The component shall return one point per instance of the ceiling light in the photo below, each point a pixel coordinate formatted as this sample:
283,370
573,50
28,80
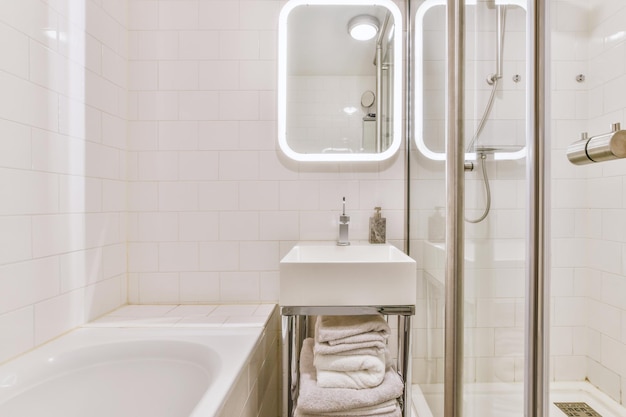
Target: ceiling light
363,27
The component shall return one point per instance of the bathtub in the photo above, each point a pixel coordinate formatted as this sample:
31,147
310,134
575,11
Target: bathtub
128,372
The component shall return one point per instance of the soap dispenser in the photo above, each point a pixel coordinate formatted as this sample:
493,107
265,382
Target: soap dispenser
378,227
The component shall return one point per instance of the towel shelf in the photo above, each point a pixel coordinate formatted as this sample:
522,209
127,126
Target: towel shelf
296,327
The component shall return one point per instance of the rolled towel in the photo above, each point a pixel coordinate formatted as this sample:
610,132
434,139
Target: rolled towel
351,329
316,400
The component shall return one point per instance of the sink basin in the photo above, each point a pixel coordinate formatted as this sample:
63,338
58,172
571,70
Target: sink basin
355,275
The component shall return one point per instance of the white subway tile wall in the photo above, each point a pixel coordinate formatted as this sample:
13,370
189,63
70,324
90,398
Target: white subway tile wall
210,195
588,229
138,137
63,123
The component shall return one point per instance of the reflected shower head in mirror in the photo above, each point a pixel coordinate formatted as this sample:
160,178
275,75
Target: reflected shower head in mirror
363,27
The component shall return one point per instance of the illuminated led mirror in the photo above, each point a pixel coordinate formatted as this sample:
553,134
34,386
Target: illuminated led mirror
340,98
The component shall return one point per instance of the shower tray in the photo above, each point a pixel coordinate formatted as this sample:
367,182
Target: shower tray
506,400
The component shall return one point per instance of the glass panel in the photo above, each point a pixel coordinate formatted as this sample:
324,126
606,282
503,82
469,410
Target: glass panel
495,109
427,203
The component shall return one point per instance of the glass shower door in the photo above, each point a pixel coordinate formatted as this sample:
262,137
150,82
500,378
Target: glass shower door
495,208
496,205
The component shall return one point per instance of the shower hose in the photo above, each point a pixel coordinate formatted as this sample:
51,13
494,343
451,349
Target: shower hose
493,80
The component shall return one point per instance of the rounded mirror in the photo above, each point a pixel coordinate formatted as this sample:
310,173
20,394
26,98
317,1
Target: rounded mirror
340,80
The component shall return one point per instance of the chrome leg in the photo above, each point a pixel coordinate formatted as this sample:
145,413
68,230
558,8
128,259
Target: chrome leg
287,358
404,361
295,330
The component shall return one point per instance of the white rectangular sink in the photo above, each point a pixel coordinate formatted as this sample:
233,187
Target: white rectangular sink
356,275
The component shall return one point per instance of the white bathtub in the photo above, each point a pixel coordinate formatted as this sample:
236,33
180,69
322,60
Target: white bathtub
127,372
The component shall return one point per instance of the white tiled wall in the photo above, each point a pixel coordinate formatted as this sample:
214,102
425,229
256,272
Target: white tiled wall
589,245
257,389
139,136
207,202
213,204
62,166
569,331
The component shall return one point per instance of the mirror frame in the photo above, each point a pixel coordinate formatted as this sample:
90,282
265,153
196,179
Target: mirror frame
397,88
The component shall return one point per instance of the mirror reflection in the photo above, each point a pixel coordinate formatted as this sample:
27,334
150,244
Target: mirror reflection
339,80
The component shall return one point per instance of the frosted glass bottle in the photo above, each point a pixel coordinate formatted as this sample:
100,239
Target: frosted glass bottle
437,226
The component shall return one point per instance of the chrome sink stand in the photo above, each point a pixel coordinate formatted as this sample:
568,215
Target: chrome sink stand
296,327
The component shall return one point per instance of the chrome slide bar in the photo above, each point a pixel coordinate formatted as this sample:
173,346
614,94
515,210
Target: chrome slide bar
455,212
536,381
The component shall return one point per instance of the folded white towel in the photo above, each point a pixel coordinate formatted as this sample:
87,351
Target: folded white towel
388,409
364,348
349,379
350,371
360,338
374,410
347,363
315,400
351,329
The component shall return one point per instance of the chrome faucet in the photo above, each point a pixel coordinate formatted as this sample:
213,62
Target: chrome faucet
344,221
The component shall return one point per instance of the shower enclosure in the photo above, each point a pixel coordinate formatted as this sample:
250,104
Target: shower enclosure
479,101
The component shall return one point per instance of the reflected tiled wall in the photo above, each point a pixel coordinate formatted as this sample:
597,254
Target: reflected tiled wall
62,167
325,113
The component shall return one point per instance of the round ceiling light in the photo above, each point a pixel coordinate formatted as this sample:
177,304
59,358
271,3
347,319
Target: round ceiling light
363,27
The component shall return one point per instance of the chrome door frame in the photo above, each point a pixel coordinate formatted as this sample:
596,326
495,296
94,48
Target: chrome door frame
455,211
536,378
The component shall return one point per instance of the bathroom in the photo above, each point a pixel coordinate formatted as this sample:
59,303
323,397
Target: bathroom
139,165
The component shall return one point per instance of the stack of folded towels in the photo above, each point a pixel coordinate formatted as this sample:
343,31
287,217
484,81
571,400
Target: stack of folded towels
344,371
